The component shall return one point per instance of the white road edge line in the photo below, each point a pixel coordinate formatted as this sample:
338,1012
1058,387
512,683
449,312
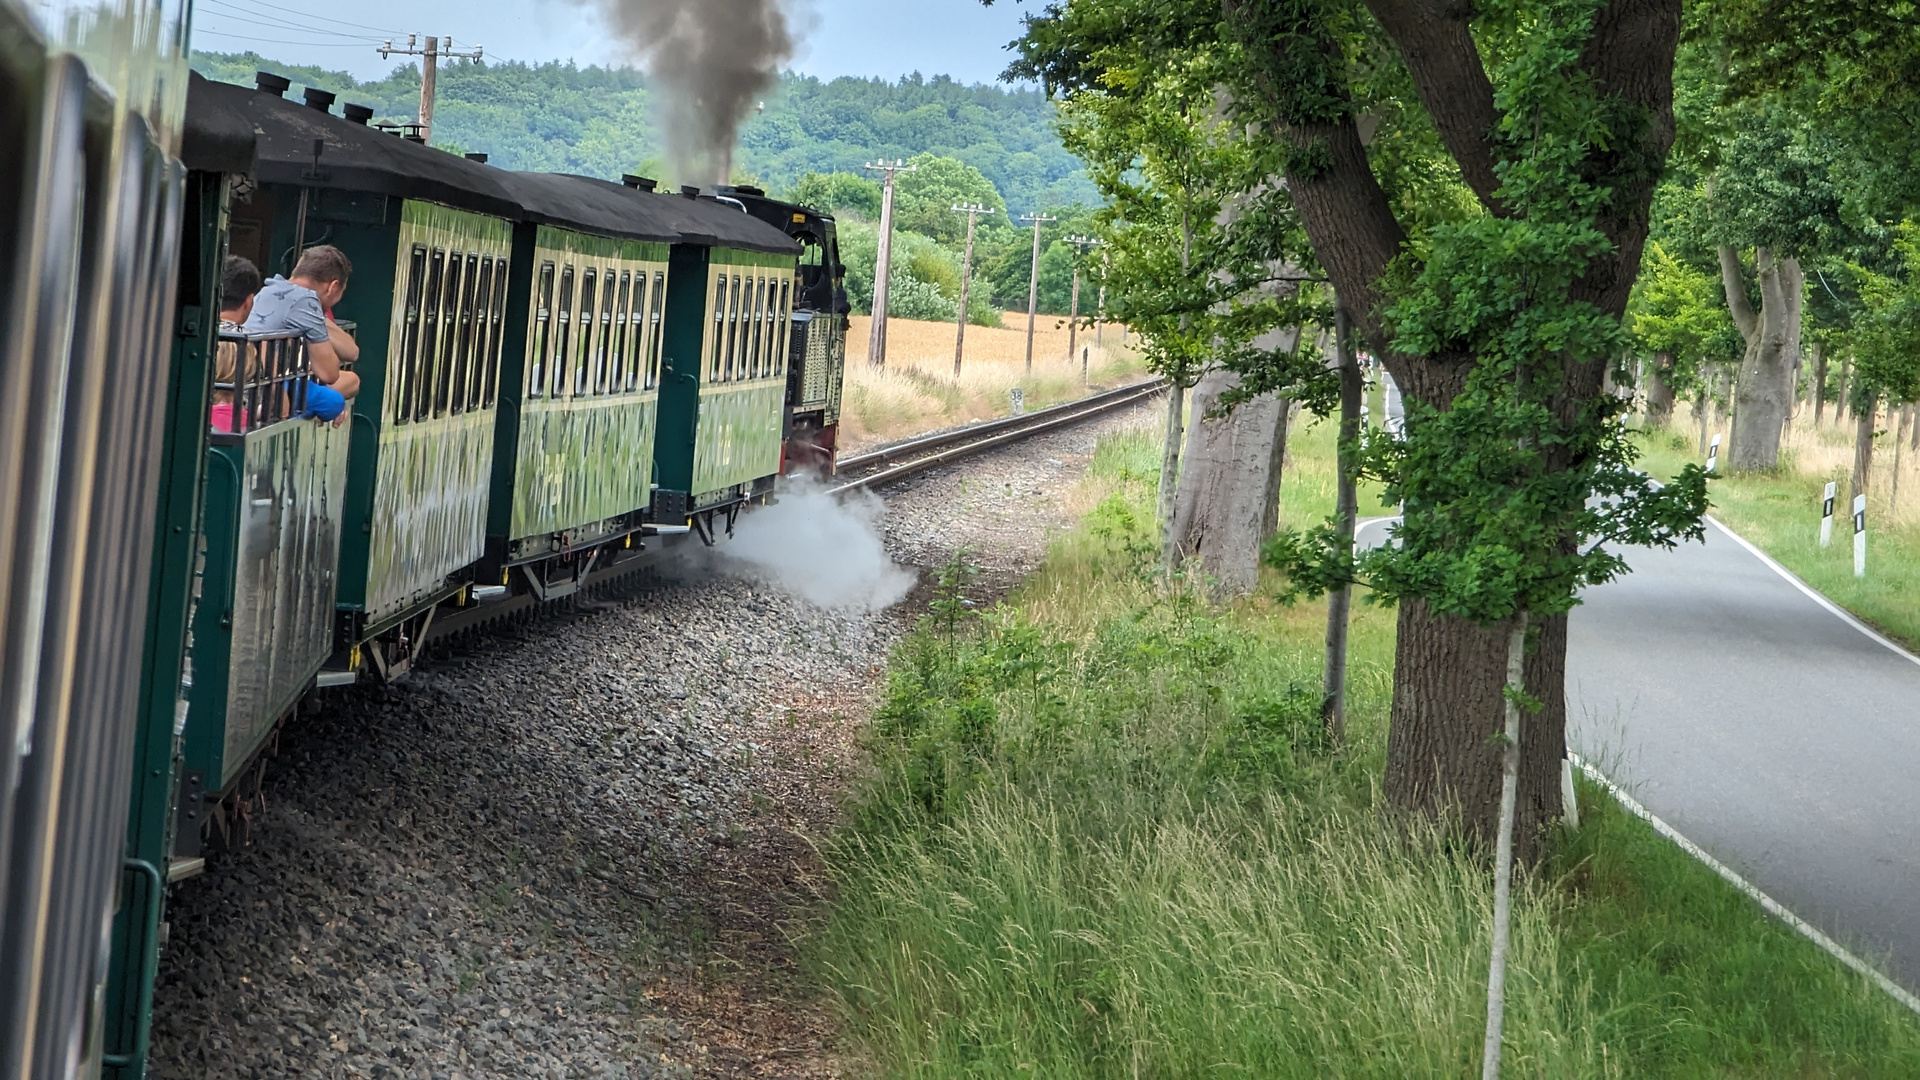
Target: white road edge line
1773,907
1842,613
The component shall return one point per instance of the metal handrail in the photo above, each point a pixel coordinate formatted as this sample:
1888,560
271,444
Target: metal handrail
271,374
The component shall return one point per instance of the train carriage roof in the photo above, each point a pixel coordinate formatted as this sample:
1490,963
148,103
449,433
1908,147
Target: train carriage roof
214,139
353,157
717,224
584,204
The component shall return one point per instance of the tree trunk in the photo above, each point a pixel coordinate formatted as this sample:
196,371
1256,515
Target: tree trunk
1764,392
1170,472
1443,754
1227,499
1842,404
1346,507
1660,390
1863,445
1819,383
1503,853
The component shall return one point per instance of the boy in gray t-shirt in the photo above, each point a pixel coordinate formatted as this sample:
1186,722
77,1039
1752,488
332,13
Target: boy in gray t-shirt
299,304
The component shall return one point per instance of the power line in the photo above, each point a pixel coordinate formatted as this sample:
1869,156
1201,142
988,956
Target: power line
357,39
268,9
197,32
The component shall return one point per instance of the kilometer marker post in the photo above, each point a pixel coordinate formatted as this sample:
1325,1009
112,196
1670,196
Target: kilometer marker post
1826,514
1859,536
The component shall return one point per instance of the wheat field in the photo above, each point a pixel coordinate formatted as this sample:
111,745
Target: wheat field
916,391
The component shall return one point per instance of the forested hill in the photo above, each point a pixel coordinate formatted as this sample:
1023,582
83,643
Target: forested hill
599,121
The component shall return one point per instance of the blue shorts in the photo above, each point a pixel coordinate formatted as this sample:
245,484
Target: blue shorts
324,402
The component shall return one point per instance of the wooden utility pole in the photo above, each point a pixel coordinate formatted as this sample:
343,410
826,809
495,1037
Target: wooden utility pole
1082,243
1333,700
1033,281
1100,306
883,263
973,212
430,54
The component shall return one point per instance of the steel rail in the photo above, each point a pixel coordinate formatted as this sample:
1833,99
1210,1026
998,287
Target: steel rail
935,450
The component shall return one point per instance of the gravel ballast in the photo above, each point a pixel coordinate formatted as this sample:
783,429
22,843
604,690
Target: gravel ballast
578,847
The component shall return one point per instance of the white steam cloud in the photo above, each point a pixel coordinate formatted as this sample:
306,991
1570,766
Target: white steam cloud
824,550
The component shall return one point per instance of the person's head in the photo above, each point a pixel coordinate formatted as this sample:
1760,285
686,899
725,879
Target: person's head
239,280
324,269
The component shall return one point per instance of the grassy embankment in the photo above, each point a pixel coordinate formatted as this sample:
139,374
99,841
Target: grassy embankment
916,391
1779,512
1104,838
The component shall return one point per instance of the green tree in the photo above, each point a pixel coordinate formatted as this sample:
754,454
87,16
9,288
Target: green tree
838,193
1484,235
923,199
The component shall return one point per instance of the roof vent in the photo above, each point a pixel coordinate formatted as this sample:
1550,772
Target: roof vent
688,191
481,158
318,98
271,83
748,189
639,183
358,114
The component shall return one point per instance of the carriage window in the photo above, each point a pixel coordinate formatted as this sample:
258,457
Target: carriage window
606,353
780,339
542,326
770,292
497,316
583,356
733,329
623,363
434,395
756,311
654,310
419,399
563,340
410,343
461,377
719,325
485,318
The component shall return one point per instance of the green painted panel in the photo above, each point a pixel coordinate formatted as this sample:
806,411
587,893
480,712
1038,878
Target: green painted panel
428,513
429,509
582,460
738,438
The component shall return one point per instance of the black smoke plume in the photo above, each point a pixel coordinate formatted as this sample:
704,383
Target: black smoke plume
711,59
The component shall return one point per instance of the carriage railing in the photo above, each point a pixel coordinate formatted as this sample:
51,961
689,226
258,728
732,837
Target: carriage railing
266,377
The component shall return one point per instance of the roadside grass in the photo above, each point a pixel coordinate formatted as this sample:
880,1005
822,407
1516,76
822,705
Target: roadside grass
916,391
1105,836
1779,512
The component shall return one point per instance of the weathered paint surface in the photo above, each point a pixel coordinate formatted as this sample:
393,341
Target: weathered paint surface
286,546
585,450
430,508
739,434
582,460
430,496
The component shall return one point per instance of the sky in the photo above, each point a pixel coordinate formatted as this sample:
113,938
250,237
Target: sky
885,38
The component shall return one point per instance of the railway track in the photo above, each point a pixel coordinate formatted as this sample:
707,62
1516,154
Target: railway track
862,471
901,460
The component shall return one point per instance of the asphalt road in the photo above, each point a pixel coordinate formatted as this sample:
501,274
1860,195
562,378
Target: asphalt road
1767,728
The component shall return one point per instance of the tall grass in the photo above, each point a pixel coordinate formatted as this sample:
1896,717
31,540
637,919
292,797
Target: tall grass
916,391
1105,837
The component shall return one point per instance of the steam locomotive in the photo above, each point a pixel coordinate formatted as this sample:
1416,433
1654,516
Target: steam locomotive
553,370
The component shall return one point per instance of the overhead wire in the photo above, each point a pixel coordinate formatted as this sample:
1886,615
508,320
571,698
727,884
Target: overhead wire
261,8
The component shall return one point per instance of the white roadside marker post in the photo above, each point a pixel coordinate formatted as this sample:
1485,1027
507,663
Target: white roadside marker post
1826,514
1017,398
1859,536
1713,453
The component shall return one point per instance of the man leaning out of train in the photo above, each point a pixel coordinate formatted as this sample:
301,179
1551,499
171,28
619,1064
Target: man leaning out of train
299,304
239,281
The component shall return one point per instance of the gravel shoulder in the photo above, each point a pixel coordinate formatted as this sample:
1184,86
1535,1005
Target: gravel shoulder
580,847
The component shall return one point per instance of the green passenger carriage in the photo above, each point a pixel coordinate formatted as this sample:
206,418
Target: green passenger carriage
573,458
724,382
